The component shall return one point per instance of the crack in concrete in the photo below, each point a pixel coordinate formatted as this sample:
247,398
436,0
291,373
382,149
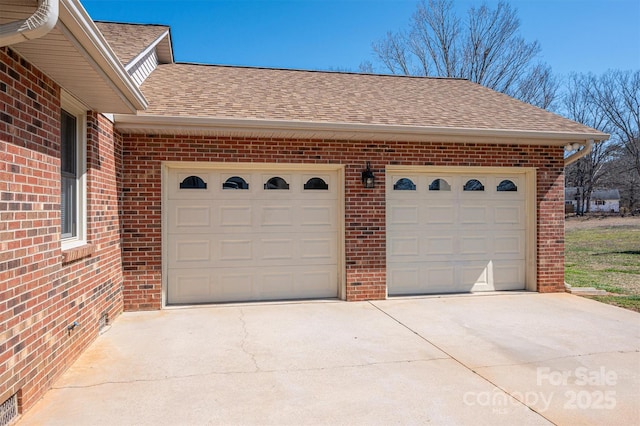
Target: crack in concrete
225,373
245,336
462,364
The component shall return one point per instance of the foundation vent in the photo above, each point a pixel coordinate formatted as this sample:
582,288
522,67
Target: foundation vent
9,410
103,322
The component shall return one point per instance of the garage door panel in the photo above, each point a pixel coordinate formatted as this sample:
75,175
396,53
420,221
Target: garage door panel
509,245
227,285
243,250
275,285
474,275
316,283
419,278
317,216
277,249
235,240
508,275
291,249
439,245
509,215
189,250
404,279
192,218
471,214
235,216
313,249
272,283
232,287
404,245
439,215
276,216
236,250
404,214
189,286
475,246
440,277
470,240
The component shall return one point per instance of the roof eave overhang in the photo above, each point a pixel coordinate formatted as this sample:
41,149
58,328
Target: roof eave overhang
78,58
97,51
261,128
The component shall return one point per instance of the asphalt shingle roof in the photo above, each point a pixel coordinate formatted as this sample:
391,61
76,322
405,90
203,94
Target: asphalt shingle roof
213,91
227,92
129,40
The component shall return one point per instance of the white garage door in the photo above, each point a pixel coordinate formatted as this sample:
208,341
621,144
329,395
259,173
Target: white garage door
457,232
241,234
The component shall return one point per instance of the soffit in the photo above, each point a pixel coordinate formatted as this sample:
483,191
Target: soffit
77,57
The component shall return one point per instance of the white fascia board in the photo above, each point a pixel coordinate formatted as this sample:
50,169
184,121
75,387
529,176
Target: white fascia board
144,53
81,26
160,124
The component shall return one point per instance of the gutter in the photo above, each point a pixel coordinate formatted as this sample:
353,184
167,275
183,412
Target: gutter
37,25
586,149
145,123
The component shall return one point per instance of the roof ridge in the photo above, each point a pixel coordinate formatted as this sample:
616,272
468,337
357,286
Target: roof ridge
132,23
257,67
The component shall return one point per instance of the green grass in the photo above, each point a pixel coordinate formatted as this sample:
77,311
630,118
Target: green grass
607,258
628,302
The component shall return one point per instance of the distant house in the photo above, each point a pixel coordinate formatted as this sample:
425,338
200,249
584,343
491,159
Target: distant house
602,200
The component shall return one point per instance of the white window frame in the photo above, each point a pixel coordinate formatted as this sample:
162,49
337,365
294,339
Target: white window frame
79,111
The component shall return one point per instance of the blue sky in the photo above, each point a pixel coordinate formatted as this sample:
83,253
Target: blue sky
575,35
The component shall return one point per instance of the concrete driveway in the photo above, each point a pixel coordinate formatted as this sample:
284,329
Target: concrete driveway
517,358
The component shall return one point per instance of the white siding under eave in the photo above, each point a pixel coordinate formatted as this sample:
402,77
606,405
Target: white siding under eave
143,67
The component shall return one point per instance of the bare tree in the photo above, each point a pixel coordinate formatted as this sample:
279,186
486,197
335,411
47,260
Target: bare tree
486,48
610,103
588,172
621,174
617,93
433,39
539,87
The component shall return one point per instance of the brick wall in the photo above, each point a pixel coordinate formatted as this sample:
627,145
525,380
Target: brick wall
39,294
364,208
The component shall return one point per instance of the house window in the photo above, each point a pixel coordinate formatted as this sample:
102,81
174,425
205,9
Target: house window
404,184
72,170
276,183
600,203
